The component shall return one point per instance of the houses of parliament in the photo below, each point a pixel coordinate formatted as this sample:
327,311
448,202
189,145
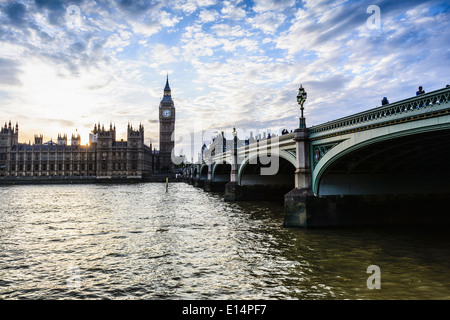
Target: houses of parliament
104,157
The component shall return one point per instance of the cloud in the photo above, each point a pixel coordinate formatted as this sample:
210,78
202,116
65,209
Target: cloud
227,31
55,10
9,72
161,55
206,16
272,5
231,11
268,22
138,8
16,13
248,58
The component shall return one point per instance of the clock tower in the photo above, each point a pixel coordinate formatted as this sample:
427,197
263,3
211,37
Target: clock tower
166,129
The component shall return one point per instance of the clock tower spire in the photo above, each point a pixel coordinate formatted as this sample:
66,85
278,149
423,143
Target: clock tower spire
166,129
167,87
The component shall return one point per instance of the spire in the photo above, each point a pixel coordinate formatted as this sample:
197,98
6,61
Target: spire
167,87
167,98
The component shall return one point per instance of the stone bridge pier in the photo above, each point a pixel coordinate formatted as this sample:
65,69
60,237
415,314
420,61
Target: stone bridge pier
387,165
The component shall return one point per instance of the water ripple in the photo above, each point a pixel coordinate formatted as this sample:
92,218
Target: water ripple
139,242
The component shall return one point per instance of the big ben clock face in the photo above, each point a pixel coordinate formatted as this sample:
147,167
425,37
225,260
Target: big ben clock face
166,113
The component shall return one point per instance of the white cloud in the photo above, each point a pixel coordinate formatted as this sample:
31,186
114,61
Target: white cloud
167,20
225,30
206,16
161,54
206,3
198,43
270,5
267,21
230,11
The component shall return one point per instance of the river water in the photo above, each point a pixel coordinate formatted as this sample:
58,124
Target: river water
141,242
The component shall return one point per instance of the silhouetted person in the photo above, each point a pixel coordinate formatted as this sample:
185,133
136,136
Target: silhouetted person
421,91
384,101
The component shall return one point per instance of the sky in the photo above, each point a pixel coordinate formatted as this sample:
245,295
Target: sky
67,65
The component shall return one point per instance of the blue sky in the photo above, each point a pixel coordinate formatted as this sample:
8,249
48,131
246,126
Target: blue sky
230,63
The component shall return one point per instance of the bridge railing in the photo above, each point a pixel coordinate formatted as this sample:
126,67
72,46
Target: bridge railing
263,145
276,141
399,108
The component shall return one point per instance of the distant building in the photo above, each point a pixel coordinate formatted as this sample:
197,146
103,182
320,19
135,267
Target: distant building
104,157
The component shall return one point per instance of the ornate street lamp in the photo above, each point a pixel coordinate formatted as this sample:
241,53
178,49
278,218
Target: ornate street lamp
301,98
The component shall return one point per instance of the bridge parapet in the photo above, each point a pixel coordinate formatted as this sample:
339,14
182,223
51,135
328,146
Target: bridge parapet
277,141
435,101
262,147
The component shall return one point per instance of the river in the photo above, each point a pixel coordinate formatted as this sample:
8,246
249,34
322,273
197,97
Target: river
137,241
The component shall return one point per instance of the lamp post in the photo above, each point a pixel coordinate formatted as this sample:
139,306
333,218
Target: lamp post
234,138
234,167
300,204
301,98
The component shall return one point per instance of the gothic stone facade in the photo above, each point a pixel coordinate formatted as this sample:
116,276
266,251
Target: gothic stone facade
104,157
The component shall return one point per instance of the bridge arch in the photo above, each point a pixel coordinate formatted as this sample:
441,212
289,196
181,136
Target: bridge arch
204,172
389,160
195,172
249,172
221,171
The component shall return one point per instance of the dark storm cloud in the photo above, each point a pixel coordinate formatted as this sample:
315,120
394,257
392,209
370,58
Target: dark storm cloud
137,7
401,6
55,9
16,13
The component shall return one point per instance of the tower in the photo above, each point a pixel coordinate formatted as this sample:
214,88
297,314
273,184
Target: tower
62,139
8,139
135,150
104,149
76,140
9,136
166,129
38,140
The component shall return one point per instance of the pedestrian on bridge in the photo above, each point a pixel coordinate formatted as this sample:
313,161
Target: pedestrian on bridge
421,91
385,101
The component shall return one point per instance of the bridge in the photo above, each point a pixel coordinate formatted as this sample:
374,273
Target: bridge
389,164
